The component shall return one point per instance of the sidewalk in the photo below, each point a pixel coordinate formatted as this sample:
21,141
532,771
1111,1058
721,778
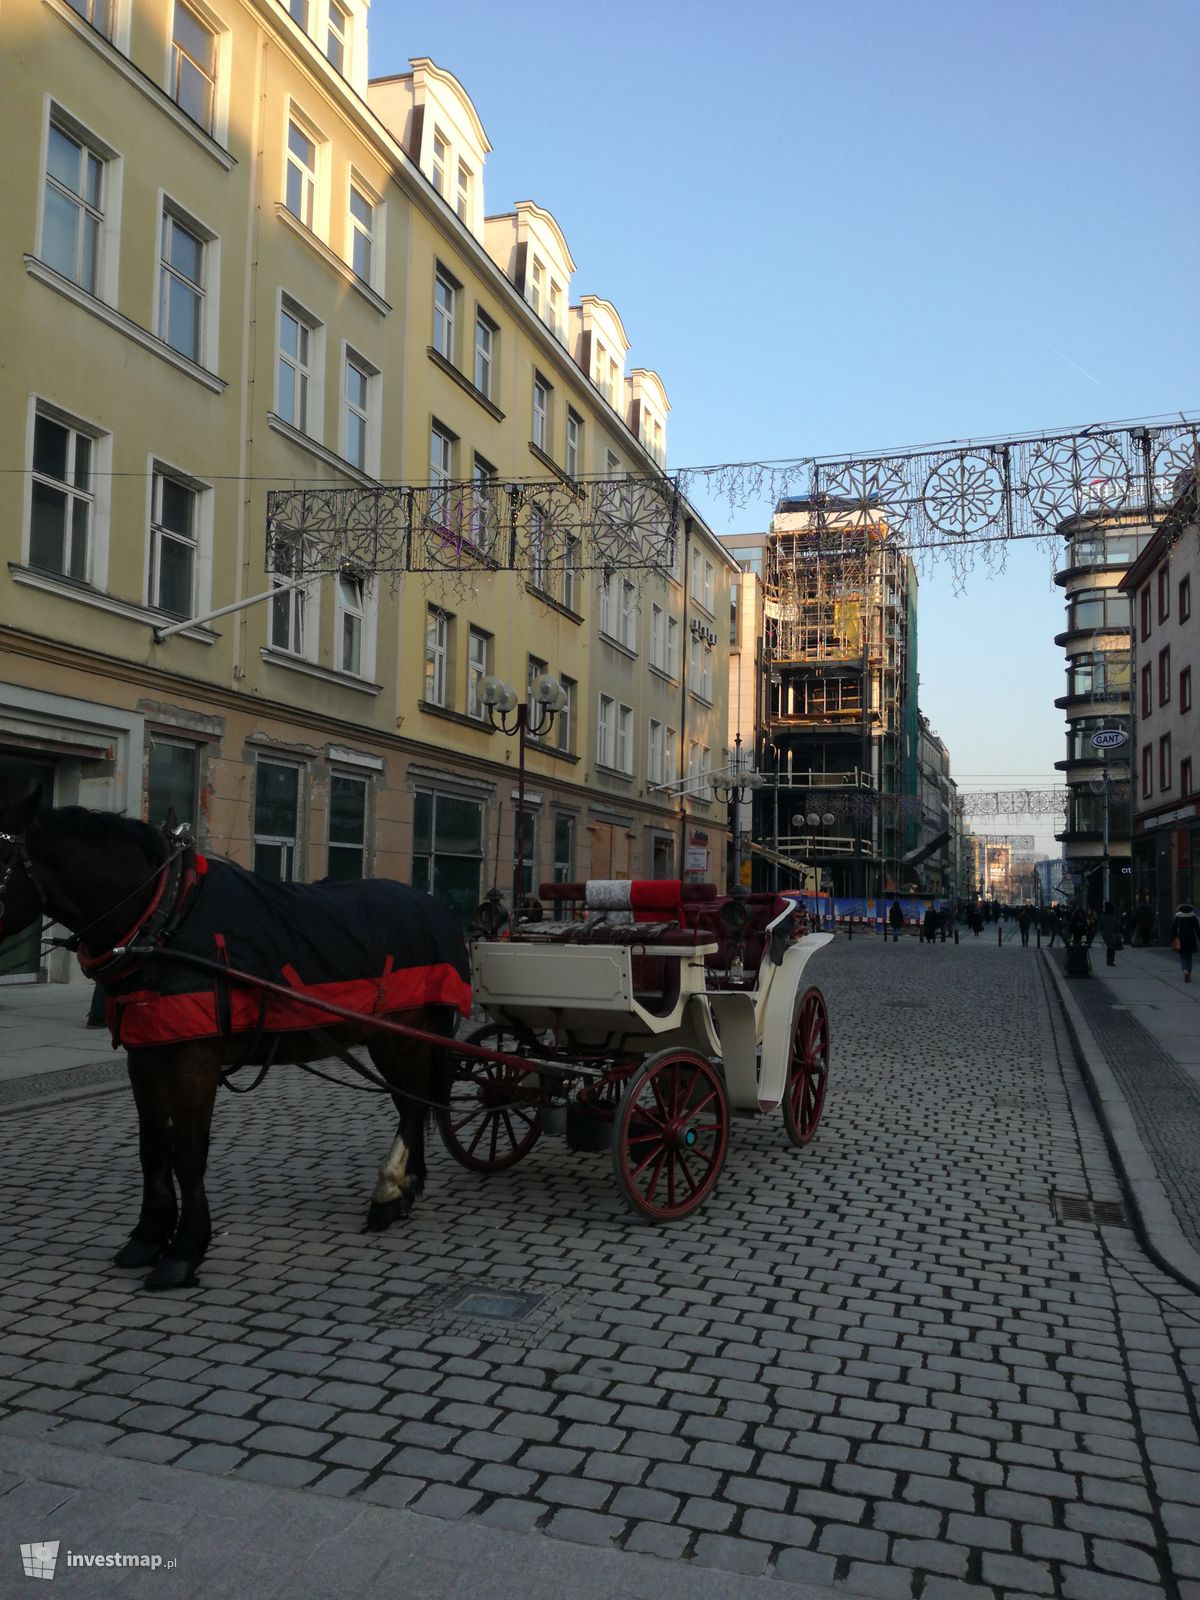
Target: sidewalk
46,1047
1137,1029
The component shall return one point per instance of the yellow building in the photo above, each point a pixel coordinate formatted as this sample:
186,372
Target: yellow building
237,267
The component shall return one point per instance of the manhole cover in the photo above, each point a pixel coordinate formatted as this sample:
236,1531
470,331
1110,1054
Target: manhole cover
493,1305
1100,1213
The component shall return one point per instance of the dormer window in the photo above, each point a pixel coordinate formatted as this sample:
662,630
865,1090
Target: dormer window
462,203
535,286
337,34
612,382
555,306
439,163
298,11
601,365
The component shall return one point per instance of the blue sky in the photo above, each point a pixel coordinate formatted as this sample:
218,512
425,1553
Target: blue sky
859,225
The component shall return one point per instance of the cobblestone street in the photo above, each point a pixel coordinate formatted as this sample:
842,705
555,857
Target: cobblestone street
885,1363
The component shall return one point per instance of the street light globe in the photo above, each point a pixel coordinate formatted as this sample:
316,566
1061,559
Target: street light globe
813,819
492,690
828,820
546,689
508,700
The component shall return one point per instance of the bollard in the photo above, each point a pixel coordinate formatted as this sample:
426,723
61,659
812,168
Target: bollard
999,935
1039,937
850,928
956,935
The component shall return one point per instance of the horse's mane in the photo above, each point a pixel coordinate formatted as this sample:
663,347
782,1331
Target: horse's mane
102,828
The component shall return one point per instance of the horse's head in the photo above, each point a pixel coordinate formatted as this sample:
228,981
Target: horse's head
21,900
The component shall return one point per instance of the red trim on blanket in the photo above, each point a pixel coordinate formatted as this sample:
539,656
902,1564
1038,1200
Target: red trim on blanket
146,1018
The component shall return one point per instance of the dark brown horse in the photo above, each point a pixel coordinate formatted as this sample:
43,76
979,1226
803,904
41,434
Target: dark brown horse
101,876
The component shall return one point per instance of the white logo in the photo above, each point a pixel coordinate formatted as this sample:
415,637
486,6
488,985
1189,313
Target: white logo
39,1559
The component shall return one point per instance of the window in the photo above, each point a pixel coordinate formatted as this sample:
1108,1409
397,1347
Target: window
566,717
362,234
1147,691
462,199
700,667
1185,777
527,858
193,66
606,730
612,467
569,558
356,409
347,827
537,548
288,606
693,769
608,604
439,162
1103,675
441,456
1098,608
673,646
534,668
702,583
437,649
670,755
705,769
298,11
1164,676
1185,689
574,438
276,820
173,541
624,752
1164,762
62,507
300,188
1147,770
541,412
297,338
1185,599
479,652
351,617
337,32
181,288
485,353
535,286
555,307
612,382
172,782
628,614
658,638
97,12
654,753
1164,593
445,294
1144,607
73,215
483,512
601,365
564,848
448,849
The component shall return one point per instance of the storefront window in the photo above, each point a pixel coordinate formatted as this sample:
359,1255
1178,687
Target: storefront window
172,782
276,820
448,849
347,826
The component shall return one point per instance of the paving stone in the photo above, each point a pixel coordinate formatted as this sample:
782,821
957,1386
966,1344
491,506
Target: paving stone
865,1544
931,1555
732,1555
778,1529
584,1527
713,1515
879,1582
805,1566
591,1494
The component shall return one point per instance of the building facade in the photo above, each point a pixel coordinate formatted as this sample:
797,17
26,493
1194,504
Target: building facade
1166,746
240,266
1099,549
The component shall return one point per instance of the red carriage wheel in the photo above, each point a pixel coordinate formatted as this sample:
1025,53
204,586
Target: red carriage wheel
671,1134
808,1069
493,1119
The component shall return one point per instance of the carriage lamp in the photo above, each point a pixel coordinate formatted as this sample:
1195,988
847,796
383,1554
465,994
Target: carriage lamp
529,718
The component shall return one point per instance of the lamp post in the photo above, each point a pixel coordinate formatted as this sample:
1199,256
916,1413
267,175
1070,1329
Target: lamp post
811,821
734,787
527,719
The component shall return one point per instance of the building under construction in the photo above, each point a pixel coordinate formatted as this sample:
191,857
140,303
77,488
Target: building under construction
839,728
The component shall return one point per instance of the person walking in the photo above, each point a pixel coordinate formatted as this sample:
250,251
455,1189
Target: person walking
1057,931
896,919
1077,928
1185,936
1109,929
1024,921
931,925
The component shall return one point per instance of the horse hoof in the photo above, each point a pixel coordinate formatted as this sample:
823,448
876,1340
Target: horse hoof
383,1213
137,1253
172,1273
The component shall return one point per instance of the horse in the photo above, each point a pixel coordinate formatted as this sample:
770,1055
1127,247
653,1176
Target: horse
101,875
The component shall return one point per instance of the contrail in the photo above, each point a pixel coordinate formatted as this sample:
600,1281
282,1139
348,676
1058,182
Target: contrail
1064,357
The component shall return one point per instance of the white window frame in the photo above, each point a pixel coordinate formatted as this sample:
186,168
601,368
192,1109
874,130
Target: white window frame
628,634
371,233
673,647
484,374
441,454
554,307
107,214
337,775
566,717
445,312
97,497
209,344
658,650
307,380
570,576
367,413
624,743
536,284
608,604
217,31
612,465
288,844
479,665
654,752
200,539
87,9
437,657
353,619
606,730
300,607
464,191
542,392
342,35
670,755
574,439
439,160
308,179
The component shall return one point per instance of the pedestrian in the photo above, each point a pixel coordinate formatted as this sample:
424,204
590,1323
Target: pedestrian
931,925
1144,922
95,1016
1185,936
1109,928
1077,927
896,919
977,922
1057,931
1024,921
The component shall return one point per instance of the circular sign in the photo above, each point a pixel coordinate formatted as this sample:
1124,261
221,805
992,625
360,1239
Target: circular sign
1109,739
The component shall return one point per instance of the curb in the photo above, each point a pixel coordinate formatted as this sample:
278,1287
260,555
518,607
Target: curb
1155,1223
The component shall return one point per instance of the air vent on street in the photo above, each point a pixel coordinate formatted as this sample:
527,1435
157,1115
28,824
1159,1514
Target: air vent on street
1099,1213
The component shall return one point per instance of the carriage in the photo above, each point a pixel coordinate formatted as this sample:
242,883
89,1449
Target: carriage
641,1018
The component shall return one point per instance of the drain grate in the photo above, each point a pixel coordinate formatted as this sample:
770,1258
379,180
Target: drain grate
522,1314
1100,1213
492,1305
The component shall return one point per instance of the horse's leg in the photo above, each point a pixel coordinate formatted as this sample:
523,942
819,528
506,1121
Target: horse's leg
412,1068
156,1221
193,1076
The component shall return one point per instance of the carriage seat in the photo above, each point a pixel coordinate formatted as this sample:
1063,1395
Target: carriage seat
751,944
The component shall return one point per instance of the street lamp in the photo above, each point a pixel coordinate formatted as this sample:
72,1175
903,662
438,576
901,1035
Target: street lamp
735,786
527,719
811,821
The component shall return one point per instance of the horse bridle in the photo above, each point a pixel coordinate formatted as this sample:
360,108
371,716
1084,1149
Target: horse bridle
18,857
